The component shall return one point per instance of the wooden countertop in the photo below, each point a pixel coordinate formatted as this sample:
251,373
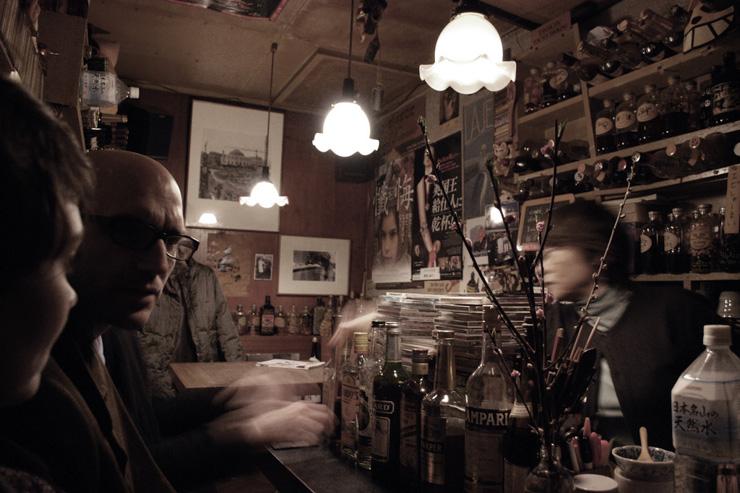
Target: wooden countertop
214,376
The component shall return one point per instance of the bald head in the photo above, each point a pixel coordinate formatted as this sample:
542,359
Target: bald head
117,281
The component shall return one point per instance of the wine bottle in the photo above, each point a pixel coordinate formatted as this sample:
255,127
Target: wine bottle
267,318
604,129
626,122
649,123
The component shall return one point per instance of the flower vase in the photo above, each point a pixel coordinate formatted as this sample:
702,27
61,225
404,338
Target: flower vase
549,476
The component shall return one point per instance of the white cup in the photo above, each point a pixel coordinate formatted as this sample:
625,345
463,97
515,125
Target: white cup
593,483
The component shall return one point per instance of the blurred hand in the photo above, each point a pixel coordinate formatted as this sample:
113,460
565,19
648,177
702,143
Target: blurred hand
348,327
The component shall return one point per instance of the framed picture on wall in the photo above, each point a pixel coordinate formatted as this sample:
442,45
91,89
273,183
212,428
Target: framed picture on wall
226,159
313,266
532,212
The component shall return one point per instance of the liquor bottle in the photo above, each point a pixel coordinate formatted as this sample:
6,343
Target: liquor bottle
674,108
472,285
626,122
673,244
701,240
651,245
633,32
254,320
648,117
704,412
366,421
532,91
620,170
387,393
726,91
294,322
326,328
600,175
351,394
315,348
443,424
560,80
521,441
306,322
729,246
490,398
679,18
240,320
549,93
581,183
609,65
694,104
413,392
318,316
606,140
104,89
267,318
281,321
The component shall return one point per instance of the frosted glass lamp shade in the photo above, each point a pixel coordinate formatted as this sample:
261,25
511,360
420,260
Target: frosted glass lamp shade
265,195
208,219
346,131
468,56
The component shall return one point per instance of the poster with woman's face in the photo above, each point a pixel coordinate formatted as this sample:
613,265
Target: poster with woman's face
437,248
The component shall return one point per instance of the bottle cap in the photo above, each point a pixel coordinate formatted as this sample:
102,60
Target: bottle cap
394,331
445,334
378,323
314,339
361,339
419,355
133,93
717,335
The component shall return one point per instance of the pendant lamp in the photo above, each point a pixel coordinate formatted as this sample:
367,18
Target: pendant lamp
264,192
468,54
346,127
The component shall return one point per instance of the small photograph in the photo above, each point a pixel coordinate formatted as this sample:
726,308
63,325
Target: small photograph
449,105
263,267
310,265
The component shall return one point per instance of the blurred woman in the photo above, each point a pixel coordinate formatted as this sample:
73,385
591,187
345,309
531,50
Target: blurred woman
45,178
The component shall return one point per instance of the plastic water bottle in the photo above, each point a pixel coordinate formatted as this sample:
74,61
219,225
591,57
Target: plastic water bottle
104,89
705,410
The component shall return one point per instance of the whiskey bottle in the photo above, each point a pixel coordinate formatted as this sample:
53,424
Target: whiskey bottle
674,107
351,394
651,245
604,129
648,116
626,122
280,321
240,320
294,322
413,392
267,318
254,320
701,240
673,244
726,91
366,419
306,322
443,425
387,393
490,397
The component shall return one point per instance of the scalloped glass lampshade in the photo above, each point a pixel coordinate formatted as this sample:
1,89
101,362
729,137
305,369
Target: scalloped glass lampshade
346,131
265,195
468,56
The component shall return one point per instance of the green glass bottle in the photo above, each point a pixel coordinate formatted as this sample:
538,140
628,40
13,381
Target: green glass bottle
414,391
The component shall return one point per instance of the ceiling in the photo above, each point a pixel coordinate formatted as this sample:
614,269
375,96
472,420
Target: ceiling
206,53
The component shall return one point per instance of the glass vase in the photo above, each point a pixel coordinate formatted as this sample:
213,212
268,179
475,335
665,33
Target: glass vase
549,476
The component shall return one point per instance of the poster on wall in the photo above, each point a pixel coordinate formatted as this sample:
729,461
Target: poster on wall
437,248
478,117
392,212
230,256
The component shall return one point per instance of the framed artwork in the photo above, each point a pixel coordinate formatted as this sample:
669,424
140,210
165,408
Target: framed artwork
226,158
533,211
313,266
263,267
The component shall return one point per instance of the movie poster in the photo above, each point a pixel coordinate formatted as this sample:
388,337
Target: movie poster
437,247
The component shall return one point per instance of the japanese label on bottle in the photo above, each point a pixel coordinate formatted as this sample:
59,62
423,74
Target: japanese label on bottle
409,454
625,119
350,400
725,97
647,112
670,241
646,243
382,437
484,449
706,426
603,125
433,450
700,238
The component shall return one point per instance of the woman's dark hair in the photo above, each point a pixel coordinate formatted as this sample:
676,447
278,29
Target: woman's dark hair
42,168
587,225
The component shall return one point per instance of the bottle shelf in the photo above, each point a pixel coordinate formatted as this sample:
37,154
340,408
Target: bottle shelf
686,65
650,146
568,109
711,276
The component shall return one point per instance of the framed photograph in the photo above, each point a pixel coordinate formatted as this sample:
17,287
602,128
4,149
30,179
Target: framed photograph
532,212
263,267
226,158
313,266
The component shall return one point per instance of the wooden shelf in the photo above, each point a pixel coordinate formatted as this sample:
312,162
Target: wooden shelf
650,146
690,277
686,65
564,110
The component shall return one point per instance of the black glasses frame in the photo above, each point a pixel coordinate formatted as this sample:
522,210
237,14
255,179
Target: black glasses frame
174,243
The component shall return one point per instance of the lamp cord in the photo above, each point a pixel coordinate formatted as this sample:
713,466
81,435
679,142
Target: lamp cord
351,25
273,49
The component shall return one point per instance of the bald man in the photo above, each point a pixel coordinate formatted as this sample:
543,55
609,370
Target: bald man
78,424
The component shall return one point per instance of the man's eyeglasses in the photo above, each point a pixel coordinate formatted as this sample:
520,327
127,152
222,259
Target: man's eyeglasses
138,235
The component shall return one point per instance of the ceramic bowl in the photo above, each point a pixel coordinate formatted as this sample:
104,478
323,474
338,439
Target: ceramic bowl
659,470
